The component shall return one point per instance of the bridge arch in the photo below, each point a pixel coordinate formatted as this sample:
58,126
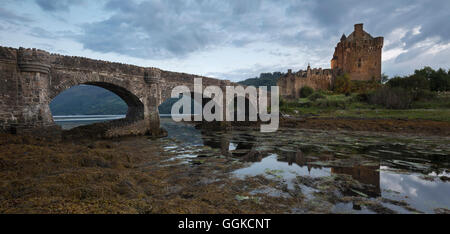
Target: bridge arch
135,104
134,92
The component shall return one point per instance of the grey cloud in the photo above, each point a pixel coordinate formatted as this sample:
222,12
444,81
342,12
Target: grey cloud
406,64
43,33
410,54
164,29
161,29
57,5
12,18
380,17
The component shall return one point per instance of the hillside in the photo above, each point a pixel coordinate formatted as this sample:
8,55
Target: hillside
264,79
93,100
87,100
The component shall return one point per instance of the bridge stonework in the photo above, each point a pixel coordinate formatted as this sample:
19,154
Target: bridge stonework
31,78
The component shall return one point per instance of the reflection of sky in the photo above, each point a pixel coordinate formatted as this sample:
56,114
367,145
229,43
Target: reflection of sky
232,146
422,194
287,172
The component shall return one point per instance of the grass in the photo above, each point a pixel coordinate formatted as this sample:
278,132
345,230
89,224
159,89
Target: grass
339,105
428,114
438,103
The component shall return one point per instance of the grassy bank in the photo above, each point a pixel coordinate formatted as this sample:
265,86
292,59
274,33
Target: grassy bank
354,106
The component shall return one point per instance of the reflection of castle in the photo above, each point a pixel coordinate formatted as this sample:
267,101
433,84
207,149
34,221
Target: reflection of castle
244,149
364,174
300,159
358,56
368,175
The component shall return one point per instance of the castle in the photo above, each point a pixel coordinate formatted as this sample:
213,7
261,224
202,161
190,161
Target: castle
358,56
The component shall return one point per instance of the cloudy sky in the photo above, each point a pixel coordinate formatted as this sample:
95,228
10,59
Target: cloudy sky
229,39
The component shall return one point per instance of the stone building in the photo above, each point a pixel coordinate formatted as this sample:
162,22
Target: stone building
358,56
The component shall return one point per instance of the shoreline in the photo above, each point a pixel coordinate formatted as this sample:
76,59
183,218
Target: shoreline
419,127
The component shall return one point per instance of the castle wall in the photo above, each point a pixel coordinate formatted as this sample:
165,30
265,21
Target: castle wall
291,84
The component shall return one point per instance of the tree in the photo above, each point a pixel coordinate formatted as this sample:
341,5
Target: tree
440,81
342,84
425,72
413,82
305,91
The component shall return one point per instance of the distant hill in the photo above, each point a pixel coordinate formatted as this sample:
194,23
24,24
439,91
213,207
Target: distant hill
264,79
88,100
93,100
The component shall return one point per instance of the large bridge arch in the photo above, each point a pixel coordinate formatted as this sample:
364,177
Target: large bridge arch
142,116
134,100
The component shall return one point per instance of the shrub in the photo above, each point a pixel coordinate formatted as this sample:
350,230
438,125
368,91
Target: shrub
305,91
424,95
282,102
359,86
361,97
392,98
320,103
342,84
315,96
324,92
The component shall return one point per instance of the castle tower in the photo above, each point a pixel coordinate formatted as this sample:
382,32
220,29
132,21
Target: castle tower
359,55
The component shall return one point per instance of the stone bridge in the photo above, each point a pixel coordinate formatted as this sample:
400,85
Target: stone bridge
31,78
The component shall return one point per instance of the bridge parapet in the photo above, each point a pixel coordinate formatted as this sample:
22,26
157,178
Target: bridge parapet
81,63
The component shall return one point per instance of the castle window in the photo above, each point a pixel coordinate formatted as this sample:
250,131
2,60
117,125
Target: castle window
359,62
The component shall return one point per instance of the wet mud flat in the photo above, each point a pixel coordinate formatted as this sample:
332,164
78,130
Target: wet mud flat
424,127
129,175
238,171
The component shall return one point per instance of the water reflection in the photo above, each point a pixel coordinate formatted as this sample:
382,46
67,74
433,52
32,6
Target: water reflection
243,146
409,169
369,175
